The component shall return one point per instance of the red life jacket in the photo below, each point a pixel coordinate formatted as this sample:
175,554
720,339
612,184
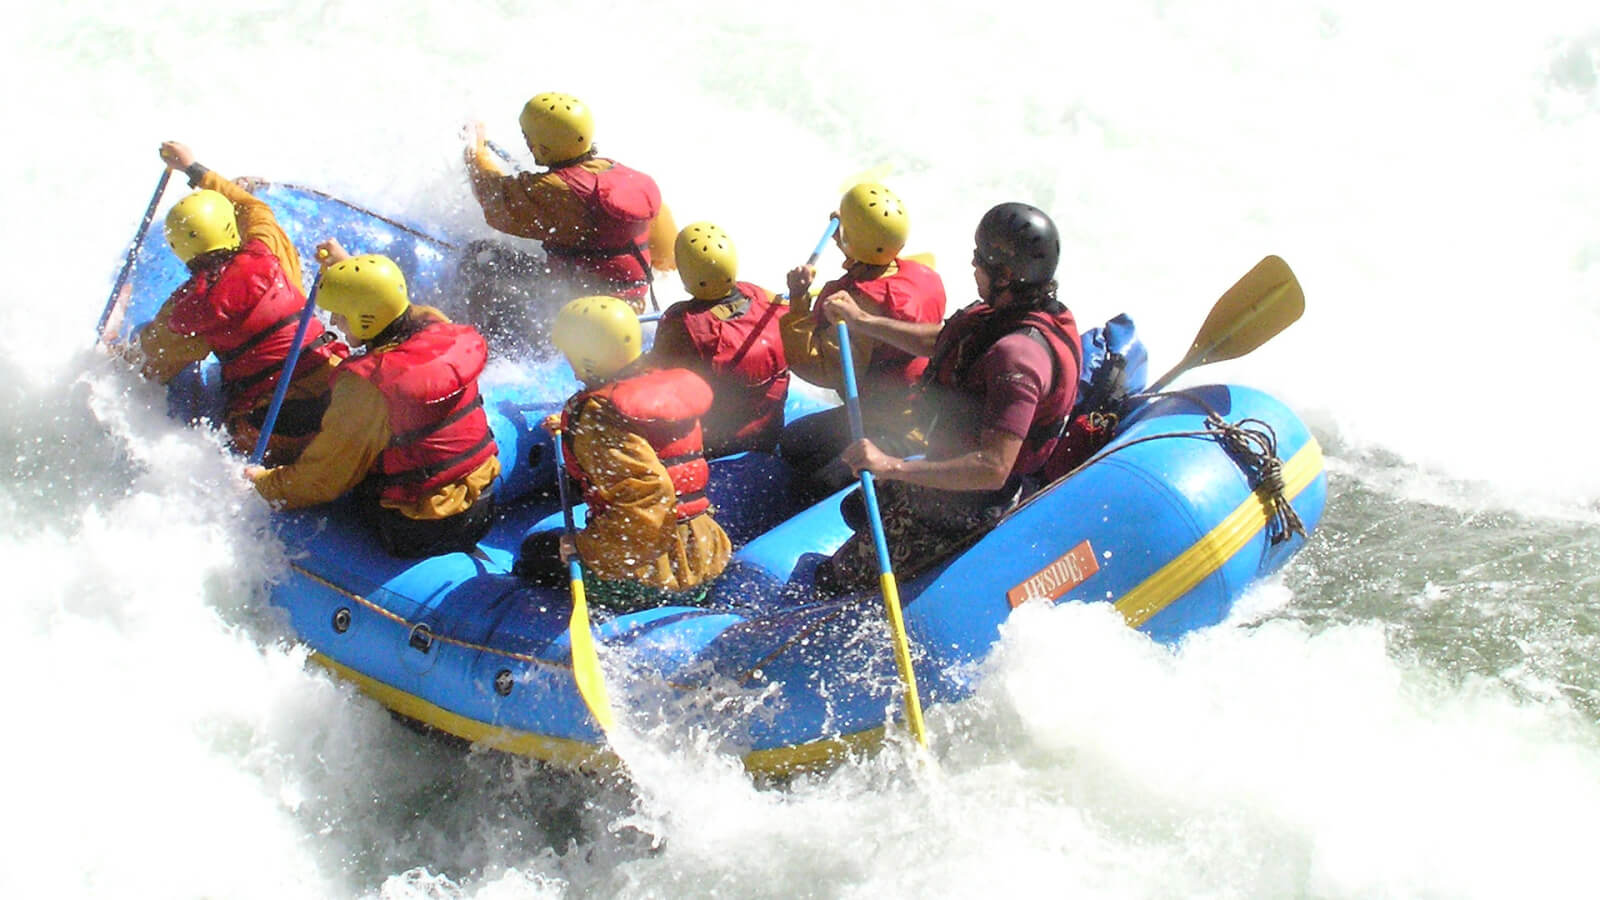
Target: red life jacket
439,431
664,407
615,248
248,313
914,293
971,332
739,342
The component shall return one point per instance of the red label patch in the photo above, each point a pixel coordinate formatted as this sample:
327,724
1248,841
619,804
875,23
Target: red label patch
1050,582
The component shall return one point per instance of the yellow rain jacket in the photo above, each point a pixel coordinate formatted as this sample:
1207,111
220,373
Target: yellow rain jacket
636,536
354,431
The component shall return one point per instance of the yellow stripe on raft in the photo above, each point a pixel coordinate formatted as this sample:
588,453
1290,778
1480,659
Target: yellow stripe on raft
576,754
811,756
1211,552
573,754
1156,593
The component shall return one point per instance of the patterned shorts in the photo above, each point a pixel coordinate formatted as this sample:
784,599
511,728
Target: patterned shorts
922,527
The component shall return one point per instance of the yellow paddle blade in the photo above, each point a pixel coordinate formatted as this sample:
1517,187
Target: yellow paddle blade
876,174
1263,303
924,258
902,657
586,661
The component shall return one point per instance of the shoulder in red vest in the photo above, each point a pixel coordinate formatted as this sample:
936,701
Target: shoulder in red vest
619,192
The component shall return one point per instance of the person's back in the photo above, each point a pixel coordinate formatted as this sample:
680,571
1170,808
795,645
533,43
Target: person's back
602,224
242,302
728,334
873,228
405,427
633,444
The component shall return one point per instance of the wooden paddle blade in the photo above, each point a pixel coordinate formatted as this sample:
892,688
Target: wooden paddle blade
1263,303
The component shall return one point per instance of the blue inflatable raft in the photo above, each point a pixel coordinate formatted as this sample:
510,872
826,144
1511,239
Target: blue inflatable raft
1169,523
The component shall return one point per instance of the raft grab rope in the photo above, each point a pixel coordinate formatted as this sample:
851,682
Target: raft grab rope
1254,446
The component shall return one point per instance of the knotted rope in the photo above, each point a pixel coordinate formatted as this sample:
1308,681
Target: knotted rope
1254,446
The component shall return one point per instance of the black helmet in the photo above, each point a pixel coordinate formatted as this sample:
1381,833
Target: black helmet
1022,240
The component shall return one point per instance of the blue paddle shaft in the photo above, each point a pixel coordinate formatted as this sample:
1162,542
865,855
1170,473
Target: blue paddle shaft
852,400
827,235
869,492
561,483
284,378
822,244
133,250
880,541
574,565
500,151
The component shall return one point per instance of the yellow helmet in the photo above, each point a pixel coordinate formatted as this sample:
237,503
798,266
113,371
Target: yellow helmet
557,127
200,223
598,336
873,224
707,262
369,291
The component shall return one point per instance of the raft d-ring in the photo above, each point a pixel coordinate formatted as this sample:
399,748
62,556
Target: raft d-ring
422,637
503,682
341,620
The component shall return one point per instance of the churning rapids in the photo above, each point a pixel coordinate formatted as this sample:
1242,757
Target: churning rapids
1412,708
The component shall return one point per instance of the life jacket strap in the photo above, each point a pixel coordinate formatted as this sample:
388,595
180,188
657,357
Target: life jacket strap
426,473
417,434
228,356
634,247
241,385
671,461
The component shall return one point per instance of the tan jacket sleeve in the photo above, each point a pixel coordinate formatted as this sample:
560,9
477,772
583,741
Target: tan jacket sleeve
527,204
663,241
640,512
355,429
257,222
813,353
165,352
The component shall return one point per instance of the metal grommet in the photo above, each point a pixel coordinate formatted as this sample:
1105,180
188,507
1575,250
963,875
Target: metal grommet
422,637
503,682
341,620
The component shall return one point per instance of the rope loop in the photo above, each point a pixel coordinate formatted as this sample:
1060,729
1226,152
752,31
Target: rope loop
1254,446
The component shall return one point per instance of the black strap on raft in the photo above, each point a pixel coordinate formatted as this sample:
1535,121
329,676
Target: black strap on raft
436,241
417,434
